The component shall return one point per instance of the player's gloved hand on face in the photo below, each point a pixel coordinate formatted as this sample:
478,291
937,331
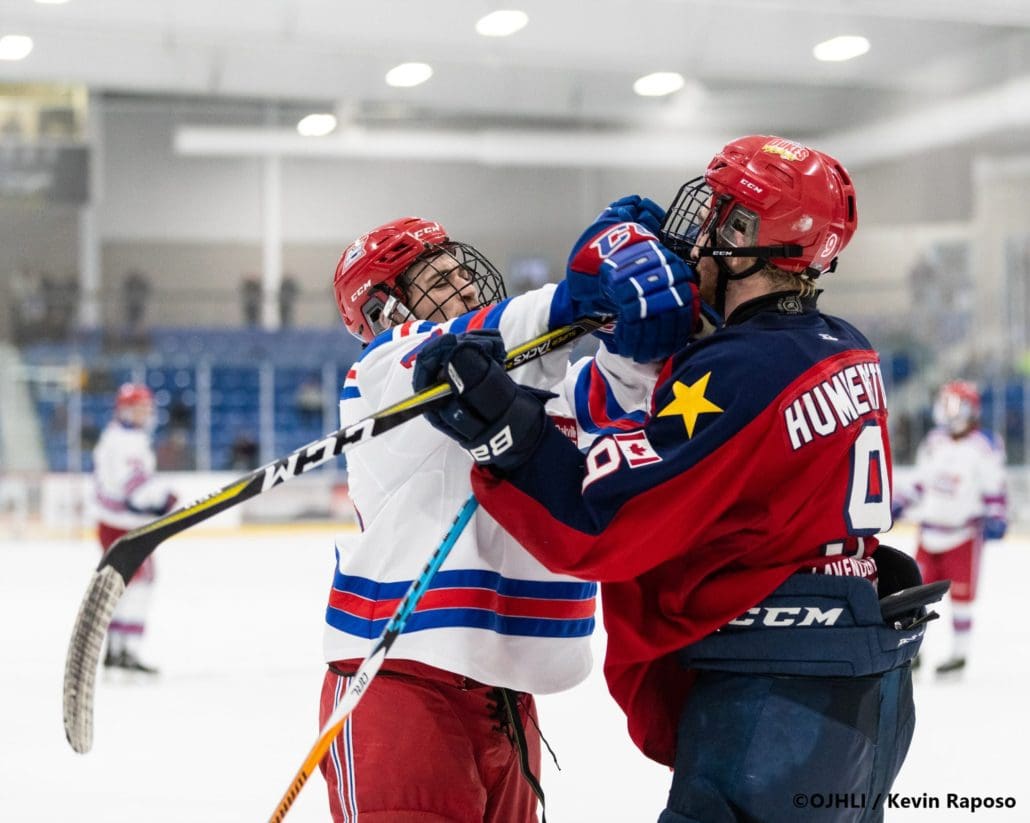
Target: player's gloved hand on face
626,221
496,420
994,528
656,301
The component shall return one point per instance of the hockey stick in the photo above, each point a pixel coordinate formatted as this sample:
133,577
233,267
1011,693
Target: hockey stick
370,665
127,554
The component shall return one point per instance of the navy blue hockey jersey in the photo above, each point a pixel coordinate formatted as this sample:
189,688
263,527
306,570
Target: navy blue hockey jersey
765,454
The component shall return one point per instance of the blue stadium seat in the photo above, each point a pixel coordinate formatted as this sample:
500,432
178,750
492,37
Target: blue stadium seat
171,364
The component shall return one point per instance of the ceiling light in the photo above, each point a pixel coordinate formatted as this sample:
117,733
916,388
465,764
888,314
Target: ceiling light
841,48
409,74
501,23
51,2
316,125
15,46
658,84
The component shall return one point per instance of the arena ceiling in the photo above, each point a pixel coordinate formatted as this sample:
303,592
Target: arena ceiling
939,73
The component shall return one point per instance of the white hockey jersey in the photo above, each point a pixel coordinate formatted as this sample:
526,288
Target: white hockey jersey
955,485
126,493
493,612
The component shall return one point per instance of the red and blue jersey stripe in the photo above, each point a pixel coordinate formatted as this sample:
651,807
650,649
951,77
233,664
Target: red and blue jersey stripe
466,598
597,410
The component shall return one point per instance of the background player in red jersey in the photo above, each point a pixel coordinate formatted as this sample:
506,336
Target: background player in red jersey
957,495
127,496
734,534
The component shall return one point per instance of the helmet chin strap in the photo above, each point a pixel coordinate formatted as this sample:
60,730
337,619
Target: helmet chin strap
726,274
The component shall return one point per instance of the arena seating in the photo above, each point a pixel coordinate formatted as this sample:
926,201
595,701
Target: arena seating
211,386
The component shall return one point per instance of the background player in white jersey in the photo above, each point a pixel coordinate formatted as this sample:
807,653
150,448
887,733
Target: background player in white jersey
447,732
958,497
127,496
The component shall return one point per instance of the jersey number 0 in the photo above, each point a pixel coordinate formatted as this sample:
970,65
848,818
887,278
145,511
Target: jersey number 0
868,508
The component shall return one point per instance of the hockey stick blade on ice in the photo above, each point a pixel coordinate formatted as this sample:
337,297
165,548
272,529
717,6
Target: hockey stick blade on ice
127,554
370,665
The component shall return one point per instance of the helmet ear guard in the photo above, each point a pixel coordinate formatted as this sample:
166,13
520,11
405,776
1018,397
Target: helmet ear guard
384,308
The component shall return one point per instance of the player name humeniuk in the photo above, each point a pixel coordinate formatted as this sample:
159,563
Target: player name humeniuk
833,404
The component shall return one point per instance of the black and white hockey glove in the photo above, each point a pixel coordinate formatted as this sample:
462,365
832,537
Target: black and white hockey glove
498,421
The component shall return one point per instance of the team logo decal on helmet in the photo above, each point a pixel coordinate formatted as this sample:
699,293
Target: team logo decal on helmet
830,246
355,251
786,149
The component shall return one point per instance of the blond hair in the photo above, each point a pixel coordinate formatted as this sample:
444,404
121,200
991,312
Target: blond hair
782,280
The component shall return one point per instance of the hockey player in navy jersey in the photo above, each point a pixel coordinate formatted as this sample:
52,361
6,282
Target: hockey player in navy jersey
734,534
447,731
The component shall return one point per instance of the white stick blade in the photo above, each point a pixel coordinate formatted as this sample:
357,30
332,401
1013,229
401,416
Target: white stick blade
80,668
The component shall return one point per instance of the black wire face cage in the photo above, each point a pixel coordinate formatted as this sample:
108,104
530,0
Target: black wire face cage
446,281
701,223
690,212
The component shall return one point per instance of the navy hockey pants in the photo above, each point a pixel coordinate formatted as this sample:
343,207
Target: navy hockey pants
783,749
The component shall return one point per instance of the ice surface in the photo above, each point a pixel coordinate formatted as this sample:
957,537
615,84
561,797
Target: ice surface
236,630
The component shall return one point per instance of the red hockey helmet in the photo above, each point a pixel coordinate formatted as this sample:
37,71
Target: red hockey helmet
134,405
769,198
133,394
367,273
369,284
957,407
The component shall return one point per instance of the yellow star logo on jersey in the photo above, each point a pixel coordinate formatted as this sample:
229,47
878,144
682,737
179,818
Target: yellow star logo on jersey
690,402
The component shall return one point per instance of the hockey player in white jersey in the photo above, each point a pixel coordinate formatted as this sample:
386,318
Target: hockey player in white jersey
127,495
447,732
957,496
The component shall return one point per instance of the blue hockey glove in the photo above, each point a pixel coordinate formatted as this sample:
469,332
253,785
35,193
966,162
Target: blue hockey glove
633,209
624,222
897,508
656,301
499,422
994,528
